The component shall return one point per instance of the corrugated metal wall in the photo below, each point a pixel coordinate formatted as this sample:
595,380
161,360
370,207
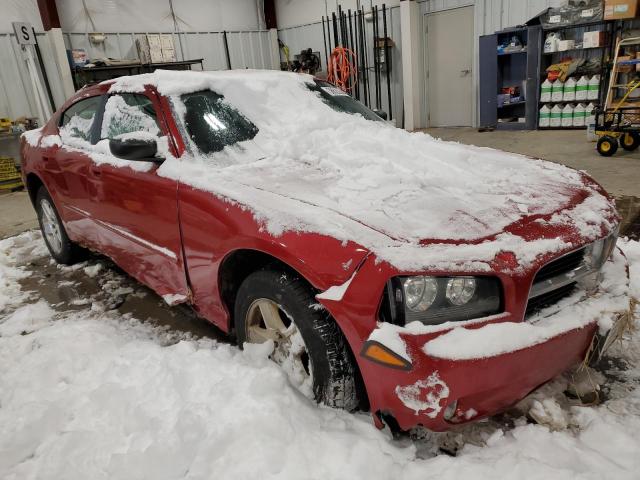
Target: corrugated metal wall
251,49
310,36
247,49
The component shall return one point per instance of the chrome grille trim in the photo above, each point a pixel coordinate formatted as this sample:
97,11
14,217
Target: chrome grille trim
559,281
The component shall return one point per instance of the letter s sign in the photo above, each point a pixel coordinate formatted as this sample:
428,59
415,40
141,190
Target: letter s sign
24,33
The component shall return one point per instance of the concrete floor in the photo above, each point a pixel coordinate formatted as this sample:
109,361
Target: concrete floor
619,174
16,214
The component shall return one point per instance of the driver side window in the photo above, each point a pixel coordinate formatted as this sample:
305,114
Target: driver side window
77,121
127,114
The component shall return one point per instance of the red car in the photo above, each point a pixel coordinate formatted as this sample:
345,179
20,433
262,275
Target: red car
424,280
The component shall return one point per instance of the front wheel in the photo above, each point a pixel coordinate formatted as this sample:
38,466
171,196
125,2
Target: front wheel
607,146
308,344
61,248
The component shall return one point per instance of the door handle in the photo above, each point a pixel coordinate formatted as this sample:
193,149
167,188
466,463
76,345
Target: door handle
96,171
465,72
47,159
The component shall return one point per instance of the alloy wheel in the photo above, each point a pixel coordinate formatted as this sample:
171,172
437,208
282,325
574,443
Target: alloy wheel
51,226
266,320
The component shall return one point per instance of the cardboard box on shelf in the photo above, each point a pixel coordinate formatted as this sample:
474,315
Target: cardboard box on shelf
156,55
168,55
154,40
619,9
166,41
593,39
564,45
624,68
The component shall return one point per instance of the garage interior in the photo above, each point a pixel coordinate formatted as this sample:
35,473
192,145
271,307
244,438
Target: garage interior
416,92
548,79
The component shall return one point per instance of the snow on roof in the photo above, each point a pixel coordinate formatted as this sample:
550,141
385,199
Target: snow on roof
313,169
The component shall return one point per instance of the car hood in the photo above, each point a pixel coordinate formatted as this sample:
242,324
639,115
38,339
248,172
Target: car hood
444,192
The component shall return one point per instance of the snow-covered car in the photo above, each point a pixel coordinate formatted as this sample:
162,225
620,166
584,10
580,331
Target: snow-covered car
430,282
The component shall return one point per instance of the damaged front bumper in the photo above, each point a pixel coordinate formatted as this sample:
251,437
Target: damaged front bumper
464,373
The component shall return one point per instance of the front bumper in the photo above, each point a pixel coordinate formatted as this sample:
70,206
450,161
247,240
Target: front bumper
481,386
487,366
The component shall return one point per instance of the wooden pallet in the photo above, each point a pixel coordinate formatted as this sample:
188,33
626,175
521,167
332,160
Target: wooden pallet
9,176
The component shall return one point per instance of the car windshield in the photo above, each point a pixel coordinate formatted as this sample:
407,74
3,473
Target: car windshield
341,101
213,124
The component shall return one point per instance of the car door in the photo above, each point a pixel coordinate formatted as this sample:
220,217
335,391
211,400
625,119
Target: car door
67,165
137,209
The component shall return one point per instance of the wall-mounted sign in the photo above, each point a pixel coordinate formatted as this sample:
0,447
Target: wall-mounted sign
24,33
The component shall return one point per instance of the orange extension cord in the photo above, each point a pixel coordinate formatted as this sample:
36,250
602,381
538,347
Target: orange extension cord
343,72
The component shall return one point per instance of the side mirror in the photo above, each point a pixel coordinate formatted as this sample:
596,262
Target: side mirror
381,113
135,149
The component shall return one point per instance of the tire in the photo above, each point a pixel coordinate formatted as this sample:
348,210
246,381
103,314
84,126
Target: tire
61,248
330,365
607,146
630,141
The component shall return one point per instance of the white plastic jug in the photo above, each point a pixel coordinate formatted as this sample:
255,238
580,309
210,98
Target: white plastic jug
544,117
567,116
557,91
569,90
545,91
551,42
594,88
555,120
581,88
579,115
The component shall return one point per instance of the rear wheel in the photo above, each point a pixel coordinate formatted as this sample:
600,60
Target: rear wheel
61,248
630,141
607,146
308,344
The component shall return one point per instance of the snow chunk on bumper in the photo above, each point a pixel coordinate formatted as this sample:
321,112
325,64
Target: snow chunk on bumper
424,395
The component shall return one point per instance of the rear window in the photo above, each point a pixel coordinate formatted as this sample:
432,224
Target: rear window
213,124
340,101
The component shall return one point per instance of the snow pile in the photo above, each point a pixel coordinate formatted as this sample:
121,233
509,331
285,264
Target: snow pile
313,169
85,394
16,251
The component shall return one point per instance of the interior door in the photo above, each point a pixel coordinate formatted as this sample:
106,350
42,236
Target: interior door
449,53
135,208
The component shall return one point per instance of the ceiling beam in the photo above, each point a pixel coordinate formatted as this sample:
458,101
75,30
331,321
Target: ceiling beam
49,14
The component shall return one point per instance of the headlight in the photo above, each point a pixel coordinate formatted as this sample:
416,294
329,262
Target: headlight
599,251
434,300
419,292
460,290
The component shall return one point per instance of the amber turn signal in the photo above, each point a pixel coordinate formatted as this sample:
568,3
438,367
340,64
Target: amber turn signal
376,352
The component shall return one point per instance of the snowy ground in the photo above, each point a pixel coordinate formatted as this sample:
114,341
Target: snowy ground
89,391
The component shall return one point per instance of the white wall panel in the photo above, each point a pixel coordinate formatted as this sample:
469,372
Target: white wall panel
154,15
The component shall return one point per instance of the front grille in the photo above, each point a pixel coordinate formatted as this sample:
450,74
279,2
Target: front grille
546,299
561,265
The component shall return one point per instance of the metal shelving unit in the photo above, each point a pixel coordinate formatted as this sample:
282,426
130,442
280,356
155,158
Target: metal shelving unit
509,69
601,52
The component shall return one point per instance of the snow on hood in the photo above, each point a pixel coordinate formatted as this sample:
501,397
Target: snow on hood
313,169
